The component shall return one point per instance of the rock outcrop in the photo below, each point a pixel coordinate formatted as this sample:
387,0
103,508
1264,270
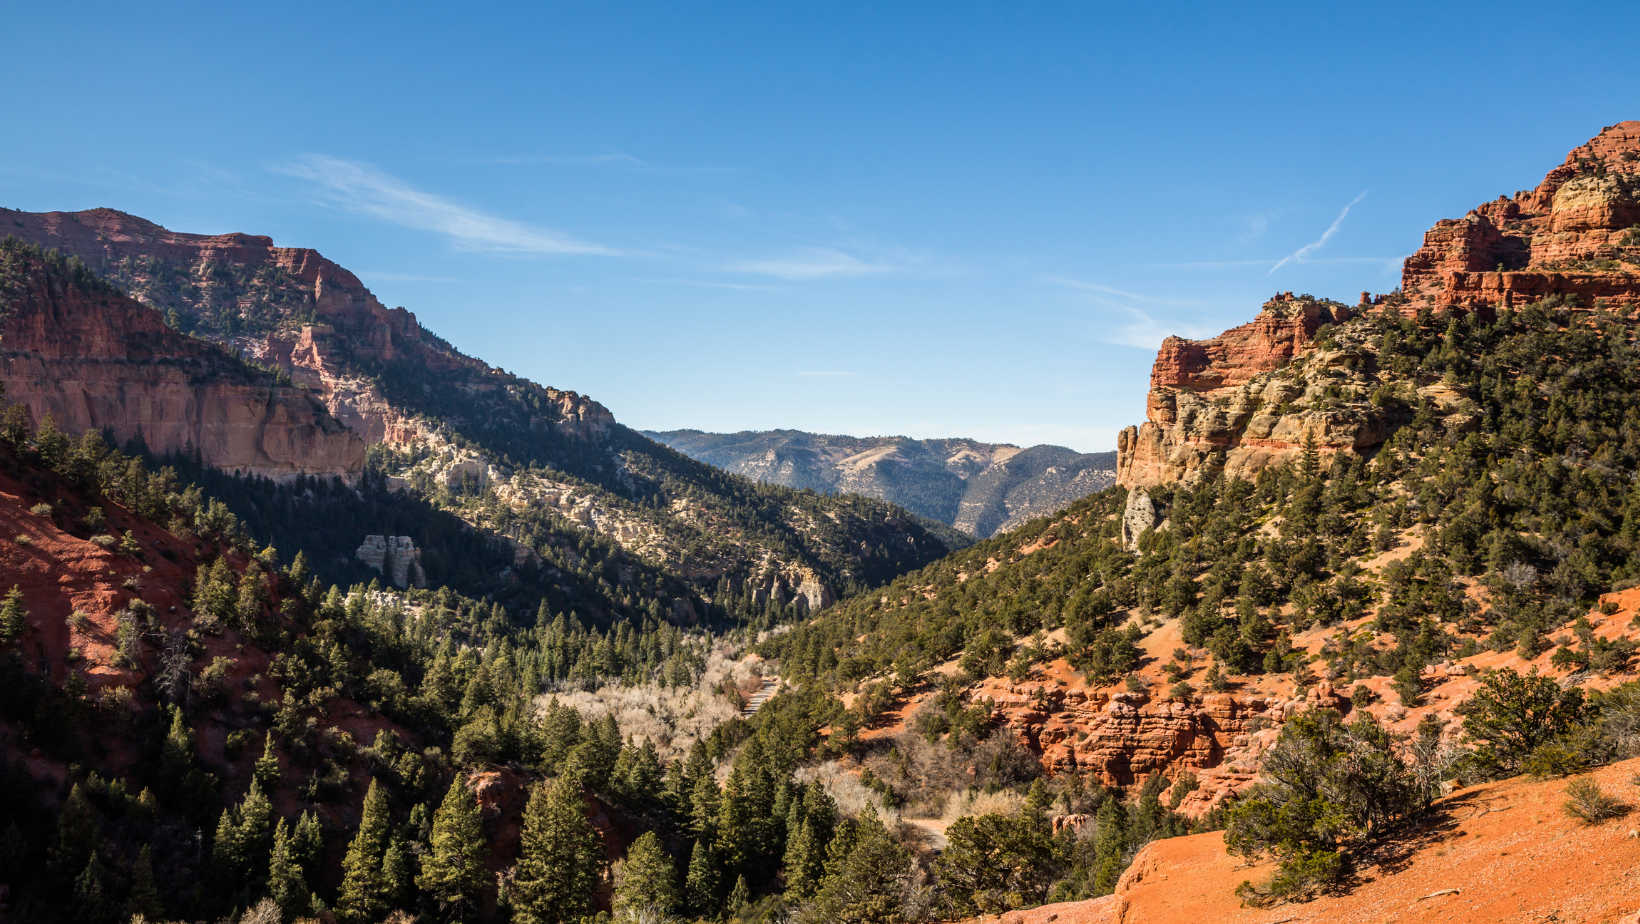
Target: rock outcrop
396,557
1574,235
1120,738
289,307
1247,399
100,361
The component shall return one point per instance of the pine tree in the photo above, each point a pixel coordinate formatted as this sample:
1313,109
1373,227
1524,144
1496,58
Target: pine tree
701,887
452,871
648,880
13,614
1310,458
364,892
867,875
559,857
398,874
739,896
242,840
307,841
77,836
1110,846
286,884
143,898
267,767
94,901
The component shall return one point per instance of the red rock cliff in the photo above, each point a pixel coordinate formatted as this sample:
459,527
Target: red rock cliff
291,306
1217,405
102,361
1566,237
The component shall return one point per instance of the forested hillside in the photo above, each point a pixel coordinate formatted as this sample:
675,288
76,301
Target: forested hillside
505,454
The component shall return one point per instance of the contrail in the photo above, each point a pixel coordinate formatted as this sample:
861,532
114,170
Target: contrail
1310,248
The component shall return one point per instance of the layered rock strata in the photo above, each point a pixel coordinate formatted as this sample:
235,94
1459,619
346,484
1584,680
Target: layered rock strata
1249,398
289,307
1577,234
1121,738
100,361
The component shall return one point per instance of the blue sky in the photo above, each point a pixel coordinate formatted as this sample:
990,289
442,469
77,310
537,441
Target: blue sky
941,219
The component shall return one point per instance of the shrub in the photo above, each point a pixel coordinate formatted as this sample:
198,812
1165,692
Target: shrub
1328,788
1588,803
1181,691
23,539
1511,715
103,540
1362,696
1137,684
40,510
1553,759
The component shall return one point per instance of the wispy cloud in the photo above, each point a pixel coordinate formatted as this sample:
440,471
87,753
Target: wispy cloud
1299,255
364,190
1107,290
744,286
410,277
811,263
1393,262
1142,329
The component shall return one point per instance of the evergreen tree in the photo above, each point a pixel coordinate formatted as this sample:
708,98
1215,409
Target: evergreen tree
143,897
452,871
1111,846
267,767
286,884
94,901
364,890
739,897
398,874
867,877
13,614
701,885
559,857
77,836
648,880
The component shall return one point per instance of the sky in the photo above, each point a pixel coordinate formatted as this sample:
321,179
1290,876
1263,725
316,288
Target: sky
937,219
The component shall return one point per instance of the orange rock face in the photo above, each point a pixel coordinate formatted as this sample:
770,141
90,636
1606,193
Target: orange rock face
105,362
1566,237
1217,406
1232,358
1120,739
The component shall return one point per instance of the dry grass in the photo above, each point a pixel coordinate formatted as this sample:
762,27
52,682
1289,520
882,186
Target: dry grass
674,718
975,802
851,795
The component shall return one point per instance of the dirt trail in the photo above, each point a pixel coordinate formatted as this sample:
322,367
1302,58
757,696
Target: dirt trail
769,688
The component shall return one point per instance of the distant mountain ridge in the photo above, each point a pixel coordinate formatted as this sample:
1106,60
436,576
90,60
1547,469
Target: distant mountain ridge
538,471
979,488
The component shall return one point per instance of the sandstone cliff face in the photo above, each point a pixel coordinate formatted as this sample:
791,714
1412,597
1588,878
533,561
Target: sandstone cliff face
285,306
1120,738
98,361
1247,399
1569,237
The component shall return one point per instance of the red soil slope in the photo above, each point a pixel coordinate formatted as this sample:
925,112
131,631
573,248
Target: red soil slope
1502,853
